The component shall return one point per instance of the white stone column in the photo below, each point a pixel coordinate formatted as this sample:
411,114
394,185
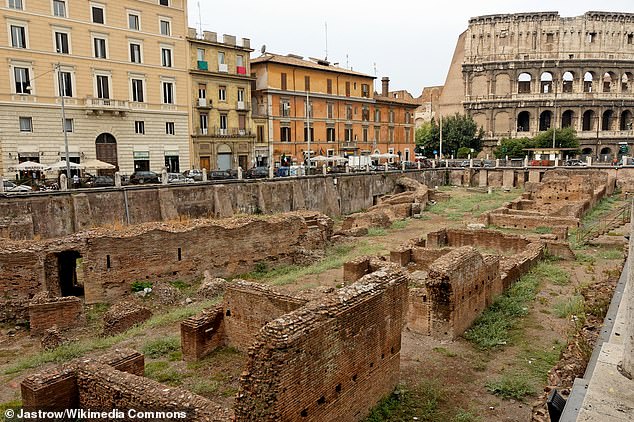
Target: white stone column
589,160
1,184
164,178
63,182
117,179
239,173
271,172
204,175
386,166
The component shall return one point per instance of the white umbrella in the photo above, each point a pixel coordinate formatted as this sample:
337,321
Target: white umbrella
386,155
338,158
61,165
320,158
98,165
29,166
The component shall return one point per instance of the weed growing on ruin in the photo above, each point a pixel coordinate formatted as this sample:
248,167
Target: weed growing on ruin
543,230
535,361
421,402
179,284
553,273
94,313
585,259
399,224
445,352
69,351
161,347
510,386
374,231
139,286
465,416
475,204
600,210
571,307
204,387
161,371
611,254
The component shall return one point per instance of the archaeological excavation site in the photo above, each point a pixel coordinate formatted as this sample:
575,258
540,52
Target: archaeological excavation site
460,295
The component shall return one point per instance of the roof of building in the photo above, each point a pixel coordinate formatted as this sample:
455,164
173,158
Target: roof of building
403,101
298,61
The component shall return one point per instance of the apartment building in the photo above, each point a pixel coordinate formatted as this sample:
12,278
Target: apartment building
122,70
335,106
220,71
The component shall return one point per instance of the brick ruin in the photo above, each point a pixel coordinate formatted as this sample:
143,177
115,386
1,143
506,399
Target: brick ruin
410,199
101,264
60,312
353,332
560,199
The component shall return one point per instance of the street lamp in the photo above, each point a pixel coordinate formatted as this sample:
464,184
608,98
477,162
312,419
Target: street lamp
62,92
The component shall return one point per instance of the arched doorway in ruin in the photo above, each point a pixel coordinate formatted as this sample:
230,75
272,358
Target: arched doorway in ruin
524,121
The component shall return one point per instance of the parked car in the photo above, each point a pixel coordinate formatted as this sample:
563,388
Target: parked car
283,171
12,187
575,162
219,175
178,178
257,173
143,177
195,174
100,181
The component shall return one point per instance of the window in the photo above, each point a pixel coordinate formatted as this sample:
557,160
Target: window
98,15
365,134
166,57
134,22
61,42
137,90
222,93
283,80
165,27
65,84
202,91
308,108
407,135
377,134
169,128
306,83
377,115
139,127
630,39
18,36
168,93
164,2
100,48
221,57
550,37
330,134
329,86
239,60
591,37
241,95
330,108
16,4
201,54
204,118
223,122
285,134
365,90
22,80
26,124
347,89
135,53
306,132
285,107
59,8
69,125
103,87
391,116
348,134
390,134
365,114
348,112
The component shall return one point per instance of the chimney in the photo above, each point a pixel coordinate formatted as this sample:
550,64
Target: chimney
385,83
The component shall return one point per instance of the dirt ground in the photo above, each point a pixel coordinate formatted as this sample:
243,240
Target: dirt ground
457,371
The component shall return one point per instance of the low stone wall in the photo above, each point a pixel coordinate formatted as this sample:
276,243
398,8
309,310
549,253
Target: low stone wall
63,312
123,316
355,334
203,333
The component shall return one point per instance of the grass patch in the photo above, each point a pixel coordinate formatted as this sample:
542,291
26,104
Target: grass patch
161,371
573,306
445,352
600,210
465,416
474,203
80,348
161,347
493,327
511,386
552,273
405,405
205,387
585,259
94,313
180,285
399,224
374,231
139,286
543,230
611,254
537,361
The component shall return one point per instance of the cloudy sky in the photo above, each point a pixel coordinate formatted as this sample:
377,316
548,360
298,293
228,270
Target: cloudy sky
411,41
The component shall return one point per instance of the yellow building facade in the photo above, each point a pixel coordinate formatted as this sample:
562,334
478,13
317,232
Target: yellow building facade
223,135
344,116
122,67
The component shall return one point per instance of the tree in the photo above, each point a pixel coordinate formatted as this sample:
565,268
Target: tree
514,148
459,131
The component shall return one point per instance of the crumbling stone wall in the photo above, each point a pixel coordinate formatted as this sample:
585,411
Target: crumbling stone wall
124,315
460,285
203,333
330,360
63,312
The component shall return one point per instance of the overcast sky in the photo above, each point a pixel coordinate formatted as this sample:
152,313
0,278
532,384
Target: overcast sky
412,41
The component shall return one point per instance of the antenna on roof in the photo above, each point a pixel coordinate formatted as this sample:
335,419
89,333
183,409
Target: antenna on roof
374,81
326,24
263,49
347,61
200,21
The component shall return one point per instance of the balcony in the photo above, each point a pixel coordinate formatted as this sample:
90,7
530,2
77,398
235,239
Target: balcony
204,103
241,70
101,105
222,67
242,105
224,133
202,65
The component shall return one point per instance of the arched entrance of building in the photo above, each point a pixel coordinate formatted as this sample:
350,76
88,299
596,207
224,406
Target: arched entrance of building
524,121
588,121
566,118
545,120
106,148
223,157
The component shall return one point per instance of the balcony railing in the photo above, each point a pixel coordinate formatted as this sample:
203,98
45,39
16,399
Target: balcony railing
285,110
221,132
107,104
243,105
204,103
222,67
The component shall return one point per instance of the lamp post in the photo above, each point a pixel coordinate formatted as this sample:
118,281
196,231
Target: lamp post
62,92
308,128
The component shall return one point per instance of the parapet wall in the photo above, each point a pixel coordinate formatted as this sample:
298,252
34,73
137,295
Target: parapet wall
331,360
63,312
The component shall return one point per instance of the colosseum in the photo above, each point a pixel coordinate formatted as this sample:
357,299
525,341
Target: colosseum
519,74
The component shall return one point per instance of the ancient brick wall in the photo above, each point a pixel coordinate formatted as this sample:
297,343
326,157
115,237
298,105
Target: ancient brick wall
63,312
20,274
203,333
248,307
418,313
422,258
124,315
331,360
460,286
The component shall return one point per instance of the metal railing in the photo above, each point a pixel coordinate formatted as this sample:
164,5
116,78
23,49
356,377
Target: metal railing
614,219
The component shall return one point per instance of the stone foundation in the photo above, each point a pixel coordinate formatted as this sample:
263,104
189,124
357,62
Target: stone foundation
60,312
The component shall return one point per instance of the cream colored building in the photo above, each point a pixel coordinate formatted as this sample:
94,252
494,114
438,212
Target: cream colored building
122,67
223,137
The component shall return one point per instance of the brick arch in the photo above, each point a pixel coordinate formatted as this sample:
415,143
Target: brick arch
479,86
501,122
503,84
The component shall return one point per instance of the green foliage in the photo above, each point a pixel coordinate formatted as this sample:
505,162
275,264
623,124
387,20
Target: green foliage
611,254
161,371
553,273
399,224
543,230
459,131
421,402
179,284
161,347
373,231
446,352
463,152
514,147
573,306
465,416
205,387
139,286
511,386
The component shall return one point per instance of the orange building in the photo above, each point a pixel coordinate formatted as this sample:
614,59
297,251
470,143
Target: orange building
345,116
